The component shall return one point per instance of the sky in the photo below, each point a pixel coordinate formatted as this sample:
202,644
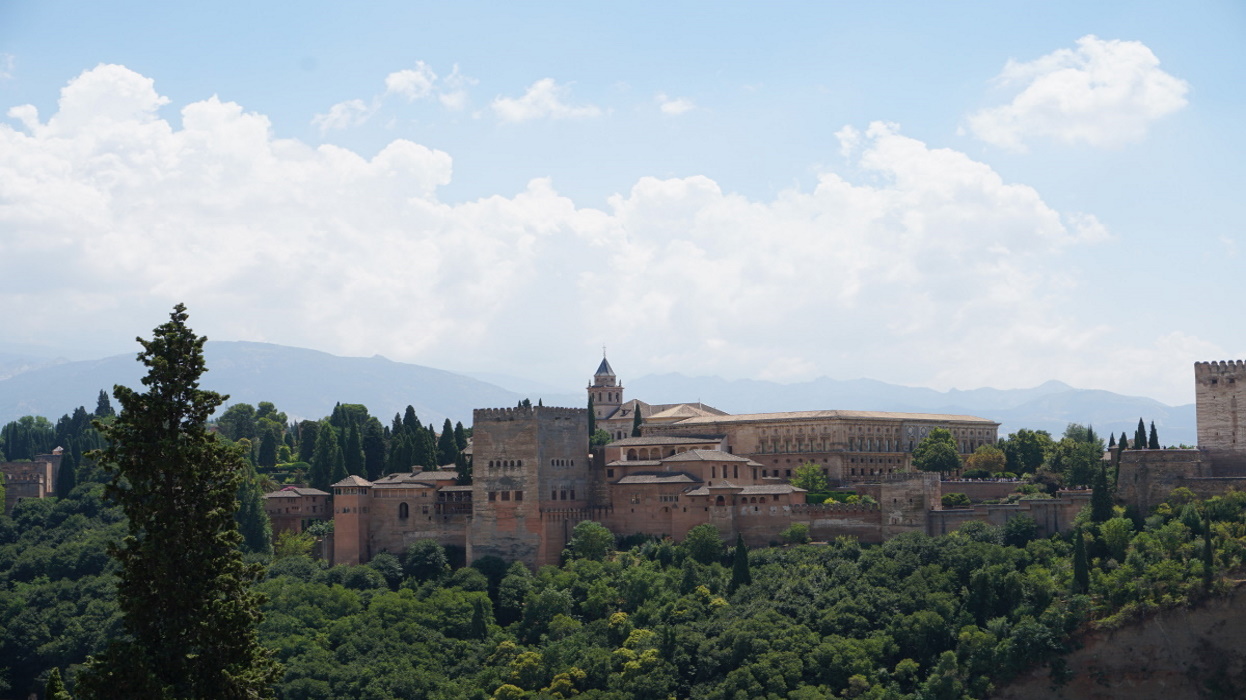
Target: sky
949,195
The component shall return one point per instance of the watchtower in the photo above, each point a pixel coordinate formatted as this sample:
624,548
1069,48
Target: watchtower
1220,396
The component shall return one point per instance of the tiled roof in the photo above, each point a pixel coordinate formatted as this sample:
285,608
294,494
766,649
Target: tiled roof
659,478
706,456
353,480
752,490
467,487
635,463
657,440
806,415
295,492
603,369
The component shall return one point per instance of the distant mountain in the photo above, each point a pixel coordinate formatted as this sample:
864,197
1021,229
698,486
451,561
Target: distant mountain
303,383
12,365
1050,406
306,384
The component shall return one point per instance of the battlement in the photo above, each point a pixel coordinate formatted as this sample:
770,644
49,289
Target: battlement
815,509
1204,371
500,415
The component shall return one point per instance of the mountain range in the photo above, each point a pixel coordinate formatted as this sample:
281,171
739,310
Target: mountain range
307,383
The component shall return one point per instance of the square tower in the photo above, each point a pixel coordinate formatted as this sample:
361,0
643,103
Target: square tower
1220,395
527,462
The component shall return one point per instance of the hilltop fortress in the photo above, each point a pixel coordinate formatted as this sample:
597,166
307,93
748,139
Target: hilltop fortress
534,479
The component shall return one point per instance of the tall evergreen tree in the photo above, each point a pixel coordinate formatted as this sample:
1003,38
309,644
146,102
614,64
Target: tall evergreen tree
1153,439
1111,440
636,419
1081,565
308,432
183,587
352,451
1124,441
54,689
447,447
253,522
67,474
740,574
373,449
592,416
1140,441
1101,497
460,436
327,461
268,450
103,407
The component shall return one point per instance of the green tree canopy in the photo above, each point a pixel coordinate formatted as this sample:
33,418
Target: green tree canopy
809,477
988,458
590,540
183,586
704,544
937,452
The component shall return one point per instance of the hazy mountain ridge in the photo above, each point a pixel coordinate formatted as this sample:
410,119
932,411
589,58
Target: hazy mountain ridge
307,383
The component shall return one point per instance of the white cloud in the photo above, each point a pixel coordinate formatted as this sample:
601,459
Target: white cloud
930,270
454,97
8,65
1103,93
412,83
544,99
674,106
344,115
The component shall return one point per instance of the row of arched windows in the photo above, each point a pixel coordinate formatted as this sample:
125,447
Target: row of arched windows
505,463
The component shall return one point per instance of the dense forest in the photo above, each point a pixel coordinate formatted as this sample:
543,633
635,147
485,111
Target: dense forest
916,617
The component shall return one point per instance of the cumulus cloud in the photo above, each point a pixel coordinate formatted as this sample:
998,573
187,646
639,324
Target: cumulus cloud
545,99
344,115
922,271
674,106
1102,93
412,83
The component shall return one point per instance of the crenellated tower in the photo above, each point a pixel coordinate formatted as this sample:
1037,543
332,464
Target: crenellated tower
1220,398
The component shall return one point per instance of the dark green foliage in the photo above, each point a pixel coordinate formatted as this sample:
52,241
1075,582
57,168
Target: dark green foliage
956,500
1123,443
27,437
937,452
1140,437
238,422
704,544
425,560
447,446
1081,567
307,431
352,451
592,417
590,540
1026,450
184,590
1101,497
1020,530
1153,439
636,419
103,407
253,522
55,688
600,437
328,464
740,574
66,475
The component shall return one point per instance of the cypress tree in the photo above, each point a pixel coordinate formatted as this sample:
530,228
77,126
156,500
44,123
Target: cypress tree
67,474
253,522
103,407
183,587
635,419
592,417
1140,441
1209,558
327,461
268,450
1124,443
1081,566
1111,440
352,453
740,574
1101,497
447,446
308,432
460,436
373,450
1153,440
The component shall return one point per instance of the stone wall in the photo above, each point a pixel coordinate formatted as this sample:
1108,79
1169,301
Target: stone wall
1146,477
1220,396
981,490
33,479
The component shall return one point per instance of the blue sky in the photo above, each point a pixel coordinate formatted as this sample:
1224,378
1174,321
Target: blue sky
936,194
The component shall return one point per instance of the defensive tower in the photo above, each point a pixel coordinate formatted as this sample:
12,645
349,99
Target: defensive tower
1220,396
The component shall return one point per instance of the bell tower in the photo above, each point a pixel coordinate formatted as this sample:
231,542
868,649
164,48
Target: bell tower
605,391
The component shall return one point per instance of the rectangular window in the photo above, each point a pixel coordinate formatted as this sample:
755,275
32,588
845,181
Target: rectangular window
493,495
609,473
573,494
553,494
506,495
562,495
519,495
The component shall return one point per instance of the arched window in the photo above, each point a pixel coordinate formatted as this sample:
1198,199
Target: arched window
403,511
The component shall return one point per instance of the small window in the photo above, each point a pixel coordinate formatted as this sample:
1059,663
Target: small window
609,473
506,495
519,495
493,496
403,511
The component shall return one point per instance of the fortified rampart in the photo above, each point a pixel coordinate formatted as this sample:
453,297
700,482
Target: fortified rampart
33,479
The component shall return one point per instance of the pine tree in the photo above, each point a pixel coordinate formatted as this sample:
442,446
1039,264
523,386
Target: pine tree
183,587
1081,566
103,407
740,574
1153,440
